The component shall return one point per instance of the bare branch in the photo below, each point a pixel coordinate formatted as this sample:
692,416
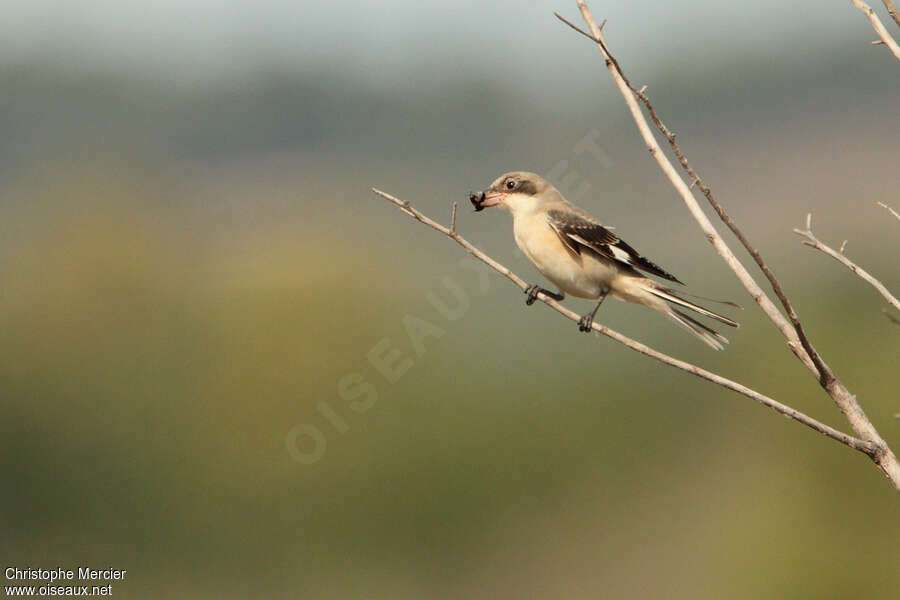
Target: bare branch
793,331
890,210
890,316
814,242
857,444
878,26
893,11
453,219
797,343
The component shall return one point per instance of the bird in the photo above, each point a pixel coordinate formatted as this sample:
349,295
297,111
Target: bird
585,259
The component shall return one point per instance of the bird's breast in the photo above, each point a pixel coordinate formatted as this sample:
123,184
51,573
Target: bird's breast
581,275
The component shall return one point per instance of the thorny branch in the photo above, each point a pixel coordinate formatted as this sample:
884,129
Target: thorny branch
857,444
793,331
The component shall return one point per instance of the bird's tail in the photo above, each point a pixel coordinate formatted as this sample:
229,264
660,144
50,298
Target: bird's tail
706,334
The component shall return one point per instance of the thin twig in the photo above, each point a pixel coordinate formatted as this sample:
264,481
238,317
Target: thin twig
797,340
891,210
453,218
847,440
813,242
879,27
893,11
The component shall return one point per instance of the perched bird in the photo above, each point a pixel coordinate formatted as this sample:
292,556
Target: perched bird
585,259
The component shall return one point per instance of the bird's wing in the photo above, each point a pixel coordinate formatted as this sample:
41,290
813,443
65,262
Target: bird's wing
578,232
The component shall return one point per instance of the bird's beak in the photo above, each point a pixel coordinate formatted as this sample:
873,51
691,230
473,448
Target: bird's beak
483,200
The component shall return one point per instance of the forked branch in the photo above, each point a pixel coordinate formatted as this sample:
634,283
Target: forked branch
868,441
792,330
798,343
813,242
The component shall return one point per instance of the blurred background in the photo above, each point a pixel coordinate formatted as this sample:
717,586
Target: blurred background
229,368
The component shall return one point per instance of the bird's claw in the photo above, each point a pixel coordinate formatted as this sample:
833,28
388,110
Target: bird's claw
532,292
586,323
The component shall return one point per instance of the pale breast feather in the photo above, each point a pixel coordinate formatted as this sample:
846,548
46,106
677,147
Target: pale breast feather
579,233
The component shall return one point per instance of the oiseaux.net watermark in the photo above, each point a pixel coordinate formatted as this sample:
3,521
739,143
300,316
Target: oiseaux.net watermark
307,443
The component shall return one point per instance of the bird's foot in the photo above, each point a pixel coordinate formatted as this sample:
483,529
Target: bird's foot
534,289
586,322
532,292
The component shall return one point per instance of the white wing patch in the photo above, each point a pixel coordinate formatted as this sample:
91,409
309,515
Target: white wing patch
622,255
617,253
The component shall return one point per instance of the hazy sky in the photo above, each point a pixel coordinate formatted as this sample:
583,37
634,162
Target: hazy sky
386,41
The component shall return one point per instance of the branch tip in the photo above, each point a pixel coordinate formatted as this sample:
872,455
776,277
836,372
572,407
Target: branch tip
576,28
890,210
813,242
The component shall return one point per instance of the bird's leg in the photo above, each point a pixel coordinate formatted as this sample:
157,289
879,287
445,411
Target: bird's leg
586,322
534,289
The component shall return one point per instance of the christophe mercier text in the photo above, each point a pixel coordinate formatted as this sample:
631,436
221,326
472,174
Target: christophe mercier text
51,575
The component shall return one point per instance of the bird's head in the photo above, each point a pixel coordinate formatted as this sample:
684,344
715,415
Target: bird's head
515,191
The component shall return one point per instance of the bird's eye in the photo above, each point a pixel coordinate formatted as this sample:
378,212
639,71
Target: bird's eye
510,184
